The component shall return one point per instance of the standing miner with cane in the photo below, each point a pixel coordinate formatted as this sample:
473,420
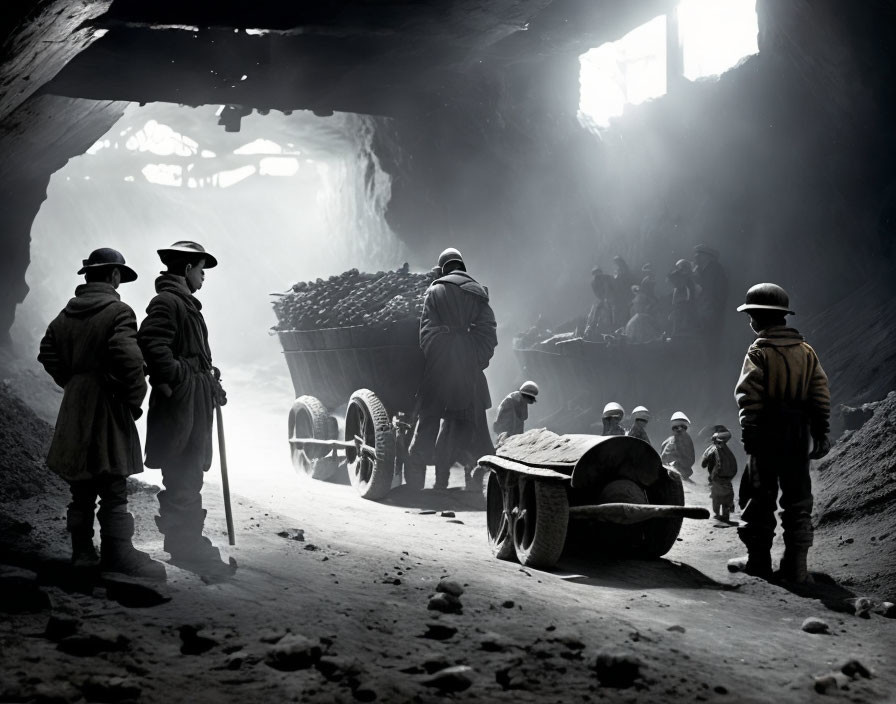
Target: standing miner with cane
785,405
91,351
458,338
185,392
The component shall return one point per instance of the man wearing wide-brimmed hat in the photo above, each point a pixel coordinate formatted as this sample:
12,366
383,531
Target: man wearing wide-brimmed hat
91,351
185,389
785,407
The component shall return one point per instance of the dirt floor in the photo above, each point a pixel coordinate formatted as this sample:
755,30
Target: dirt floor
341,614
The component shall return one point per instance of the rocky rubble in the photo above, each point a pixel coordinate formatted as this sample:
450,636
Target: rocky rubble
352,298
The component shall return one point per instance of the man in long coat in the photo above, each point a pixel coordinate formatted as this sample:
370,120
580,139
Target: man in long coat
90,349
458,338
174,340
785,406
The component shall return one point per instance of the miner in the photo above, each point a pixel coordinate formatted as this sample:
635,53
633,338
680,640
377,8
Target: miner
612,419
678,448
719,462
683,317
90,349
623,280
514,410
185,389
785,406
640,418
600,317
458,336
710,277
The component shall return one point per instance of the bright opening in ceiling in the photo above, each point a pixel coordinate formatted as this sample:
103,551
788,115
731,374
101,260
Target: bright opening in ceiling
714,36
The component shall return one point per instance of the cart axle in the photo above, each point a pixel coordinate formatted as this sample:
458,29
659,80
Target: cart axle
626,514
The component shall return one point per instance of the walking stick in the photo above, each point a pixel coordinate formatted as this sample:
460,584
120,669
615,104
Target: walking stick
225,483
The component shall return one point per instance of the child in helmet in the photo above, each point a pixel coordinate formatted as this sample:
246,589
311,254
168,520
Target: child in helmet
612,418
678,448
640,418
719,461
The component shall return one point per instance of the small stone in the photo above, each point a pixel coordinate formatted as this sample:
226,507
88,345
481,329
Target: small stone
436,663
618,670
676,629
449,586
446,603
102,688
495,643
571,641
815,625
365,692
296,534
447,514
451,679
21,591
719,689
853,668
133,592
271,635
312,547
439,631
862,606
61,626
509,604
93,643
455,520
293,652
235,661
336,669
825,683
887,609
194,641
427,512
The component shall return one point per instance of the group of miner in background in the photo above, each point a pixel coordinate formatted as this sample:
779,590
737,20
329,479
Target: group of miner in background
95,352
627,305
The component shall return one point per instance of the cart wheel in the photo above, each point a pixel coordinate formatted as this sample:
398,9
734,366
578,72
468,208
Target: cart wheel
539,519
497,518
308,418
366,418
660,533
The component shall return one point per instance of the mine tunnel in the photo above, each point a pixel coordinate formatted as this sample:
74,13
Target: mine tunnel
328,147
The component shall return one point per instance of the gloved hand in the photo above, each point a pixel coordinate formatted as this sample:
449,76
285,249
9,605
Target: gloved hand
217,389
822,446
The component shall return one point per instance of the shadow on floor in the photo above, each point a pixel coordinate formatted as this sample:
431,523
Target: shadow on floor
454,499
635,574
825,589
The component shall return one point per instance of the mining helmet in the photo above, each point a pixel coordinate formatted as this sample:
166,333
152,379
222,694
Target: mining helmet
196,250
641,413
721,436
450,255
679,416
106,258
529,390
613,409
766,297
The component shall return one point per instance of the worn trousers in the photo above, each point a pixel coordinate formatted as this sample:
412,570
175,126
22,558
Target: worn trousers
180,502
767,473
458,437
112,490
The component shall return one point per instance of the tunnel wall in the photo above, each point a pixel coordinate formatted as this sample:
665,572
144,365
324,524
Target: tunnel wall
785,164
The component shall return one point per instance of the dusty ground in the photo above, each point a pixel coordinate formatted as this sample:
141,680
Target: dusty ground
358,585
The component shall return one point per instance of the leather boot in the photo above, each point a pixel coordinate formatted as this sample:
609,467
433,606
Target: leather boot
793,565
84,555
191,550
759,563
120,555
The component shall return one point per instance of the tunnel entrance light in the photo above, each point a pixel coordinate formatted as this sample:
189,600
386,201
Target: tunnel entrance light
714,36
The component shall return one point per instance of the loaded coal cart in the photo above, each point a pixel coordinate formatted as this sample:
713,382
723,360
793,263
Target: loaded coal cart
351,344
614,491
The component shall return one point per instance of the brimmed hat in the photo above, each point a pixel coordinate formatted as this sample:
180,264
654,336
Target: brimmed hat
450,255
678,416
613,409
529,389
641,413
766,297
105,257
191,248
706,249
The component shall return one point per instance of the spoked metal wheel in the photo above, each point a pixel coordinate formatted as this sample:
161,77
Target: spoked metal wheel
497,517
372,464
539,519
309,420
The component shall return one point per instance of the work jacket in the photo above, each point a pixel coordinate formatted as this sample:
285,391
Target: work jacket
678,451
782,386
720,462
458,337
174,340
512,415
637,431
90,349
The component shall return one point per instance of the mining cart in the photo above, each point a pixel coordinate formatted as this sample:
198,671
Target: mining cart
374,374
614,491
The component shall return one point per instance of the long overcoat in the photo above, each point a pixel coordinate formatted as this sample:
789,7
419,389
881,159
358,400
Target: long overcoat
90,349
458,336
174,340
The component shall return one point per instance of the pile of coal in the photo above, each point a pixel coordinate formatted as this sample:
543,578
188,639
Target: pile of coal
353,298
